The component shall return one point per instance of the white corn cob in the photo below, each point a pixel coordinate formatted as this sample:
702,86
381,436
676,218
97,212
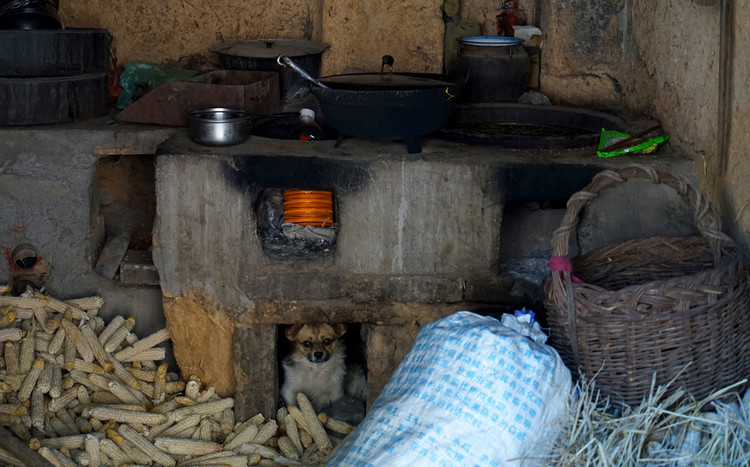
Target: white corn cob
98,382
192,389
246,435
40,344
60,307
24,392
167,406
83,395
15,410
8,316
292,432
45,378
75,335
227,421
144,344
207,408
37,409
56,344
69,353
107,332
101,355
145,445
186,446
26,357
314,426
119,335
131,451
298,417
93,449
126,377
131,338
55,388
96,323
116,455
86,303
142,375
171,387
154,353
204,430
65,399
11,358
263,451
124,416
288,449
187,422
10,334
265,432
125,394
84,426
41,317
221,457
55,457
207,395
69,442
160,382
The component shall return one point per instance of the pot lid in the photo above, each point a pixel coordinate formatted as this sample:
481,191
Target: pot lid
270,48
372,81
490,41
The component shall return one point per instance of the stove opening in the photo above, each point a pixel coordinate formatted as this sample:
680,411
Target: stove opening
297,224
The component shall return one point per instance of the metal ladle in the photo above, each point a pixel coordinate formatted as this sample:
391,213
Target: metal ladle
283,60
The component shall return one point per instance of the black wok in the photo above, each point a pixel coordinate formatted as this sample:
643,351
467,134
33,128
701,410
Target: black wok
386,106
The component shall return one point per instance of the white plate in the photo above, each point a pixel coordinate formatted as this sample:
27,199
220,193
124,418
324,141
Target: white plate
491,41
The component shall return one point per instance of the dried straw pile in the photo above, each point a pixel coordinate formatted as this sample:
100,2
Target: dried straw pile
80,391
670,428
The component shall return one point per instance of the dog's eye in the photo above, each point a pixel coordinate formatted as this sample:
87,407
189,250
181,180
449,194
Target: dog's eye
307,344
326,342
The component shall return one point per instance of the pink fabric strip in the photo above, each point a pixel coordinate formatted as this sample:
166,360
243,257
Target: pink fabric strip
562,263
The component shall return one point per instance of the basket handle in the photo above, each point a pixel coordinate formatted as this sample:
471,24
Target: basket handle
705,217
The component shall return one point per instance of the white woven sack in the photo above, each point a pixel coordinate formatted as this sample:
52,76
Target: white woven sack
470,392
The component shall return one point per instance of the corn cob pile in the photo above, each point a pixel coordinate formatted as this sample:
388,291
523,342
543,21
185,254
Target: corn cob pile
81,391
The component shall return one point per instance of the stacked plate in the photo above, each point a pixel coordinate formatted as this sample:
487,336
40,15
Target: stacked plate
305,207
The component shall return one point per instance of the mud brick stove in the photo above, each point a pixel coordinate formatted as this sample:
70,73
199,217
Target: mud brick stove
418,237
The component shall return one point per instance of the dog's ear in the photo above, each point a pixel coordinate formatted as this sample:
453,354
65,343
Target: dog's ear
292,331
339,329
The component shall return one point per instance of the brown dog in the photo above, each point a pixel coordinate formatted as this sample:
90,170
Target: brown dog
316,365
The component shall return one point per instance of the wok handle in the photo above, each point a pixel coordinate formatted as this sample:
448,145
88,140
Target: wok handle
283,60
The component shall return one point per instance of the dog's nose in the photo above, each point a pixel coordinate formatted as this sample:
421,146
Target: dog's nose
318,355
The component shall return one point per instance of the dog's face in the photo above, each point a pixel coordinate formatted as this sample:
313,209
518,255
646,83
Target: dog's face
316,342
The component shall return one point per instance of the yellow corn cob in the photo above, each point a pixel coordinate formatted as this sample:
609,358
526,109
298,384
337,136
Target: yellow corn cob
97,349
55,457
24,392
143,375
186,446
145,445
288,449
124,416
34,444
121,372
60,307
292,432
7,317
148,391
84,426
227,421
323,417
93,449
160,381
113,325
119,335
15,410
144,344
75,335
96,424
10,334
13,382
298,417
11,358
246,435
52,325
170,387
314,426
132,453
116,455
265,432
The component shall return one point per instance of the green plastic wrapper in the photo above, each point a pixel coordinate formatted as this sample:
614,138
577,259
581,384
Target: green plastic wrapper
610,137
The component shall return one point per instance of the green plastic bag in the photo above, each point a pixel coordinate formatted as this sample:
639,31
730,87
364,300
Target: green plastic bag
640,146
135,75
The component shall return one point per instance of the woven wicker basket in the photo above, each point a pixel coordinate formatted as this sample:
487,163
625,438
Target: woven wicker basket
658,307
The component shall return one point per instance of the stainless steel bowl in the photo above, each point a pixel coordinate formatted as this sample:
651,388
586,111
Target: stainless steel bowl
219,126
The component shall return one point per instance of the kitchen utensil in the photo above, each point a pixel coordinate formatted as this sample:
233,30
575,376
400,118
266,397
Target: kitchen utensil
495,70
386,106
219,126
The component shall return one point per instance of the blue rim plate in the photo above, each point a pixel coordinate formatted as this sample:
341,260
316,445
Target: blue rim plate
490,41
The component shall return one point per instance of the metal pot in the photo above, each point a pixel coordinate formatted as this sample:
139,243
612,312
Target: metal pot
496,68
386,105
29,14
261,54
219,126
